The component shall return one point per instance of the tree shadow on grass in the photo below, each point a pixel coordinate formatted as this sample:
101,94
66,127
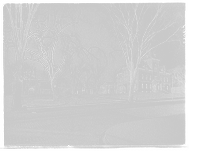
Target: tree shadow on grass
153,111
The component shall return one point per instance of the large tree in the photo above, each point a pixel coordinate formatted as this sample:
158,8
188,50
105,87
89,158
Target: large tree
47,46
142,28
17,24
53,36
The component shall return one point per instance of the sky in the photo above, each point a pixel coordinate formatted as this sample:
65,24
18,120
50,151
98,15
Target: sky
92,33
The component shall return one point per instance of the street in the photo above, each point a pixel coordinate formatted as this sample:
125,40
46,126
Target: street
97,127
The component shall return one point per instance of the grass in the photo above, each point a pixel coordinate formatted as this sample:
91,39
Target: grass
87,99
43,100
147,96
153,111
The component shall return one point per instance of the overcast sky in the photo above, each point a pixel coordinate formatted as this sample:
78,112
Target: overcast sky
93,34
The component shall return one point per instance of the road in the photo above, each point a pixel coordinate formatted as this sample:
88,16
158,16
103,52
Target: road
95,127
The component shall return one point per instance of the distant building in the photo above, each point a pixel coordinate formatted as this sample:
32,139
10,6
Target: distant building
178,79
91,89
107,88
151,77
79,88
35,86
35,81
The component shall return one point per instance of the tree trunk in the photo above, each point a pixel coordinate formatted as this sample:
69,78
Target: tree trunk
17,104
132,83
53,88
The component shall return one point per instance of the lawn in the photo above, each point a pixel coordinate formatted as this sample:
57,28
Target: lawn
86,99
153,111
43,100
147,96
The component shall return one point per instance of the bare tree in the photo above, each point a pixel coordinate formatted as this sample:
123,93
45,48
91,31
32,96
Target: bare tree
97,72
51,33
141,28
49,37
17,23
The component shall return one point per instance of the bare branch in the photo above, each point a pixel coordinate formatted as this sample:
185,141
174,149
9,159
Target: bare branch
166,40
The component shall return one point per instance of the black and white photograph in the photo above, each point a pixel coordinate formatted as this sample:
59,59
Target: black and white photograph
94,75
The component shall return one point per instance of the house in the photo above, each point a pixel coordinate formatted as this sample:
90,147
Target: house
178,79
45,87
79,88
33,86
150,77
107,88
35,81
91,89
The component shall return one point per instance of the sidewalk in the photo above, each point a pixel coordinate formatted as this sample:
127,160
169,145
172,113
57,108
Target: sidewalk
165,130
